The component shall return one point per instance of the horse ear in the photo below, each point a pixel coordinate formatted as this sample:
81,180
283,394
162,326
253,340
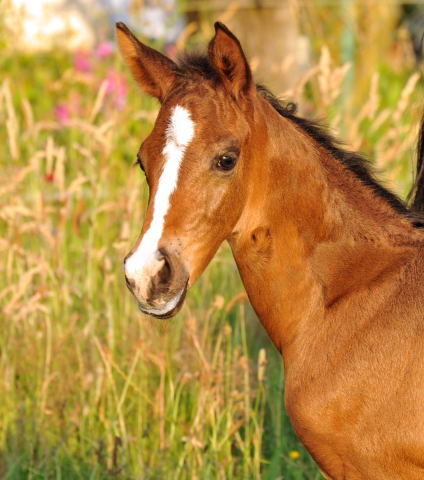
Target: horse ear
227,56
153,72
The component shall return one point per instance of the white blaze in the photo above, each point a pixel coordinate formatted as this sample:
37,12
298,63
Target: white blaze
145,262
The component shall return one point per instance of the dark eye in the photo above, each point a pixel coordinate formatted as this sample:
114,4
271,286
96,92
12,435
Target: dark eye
226,162
139,161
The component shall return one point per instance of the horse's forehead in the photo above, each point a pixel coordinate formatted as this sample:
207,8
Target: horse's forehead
175,123
198,114
202,102
180,126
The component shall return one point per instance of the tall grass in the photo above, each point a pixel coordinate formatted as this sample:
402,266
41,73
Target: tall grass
90,388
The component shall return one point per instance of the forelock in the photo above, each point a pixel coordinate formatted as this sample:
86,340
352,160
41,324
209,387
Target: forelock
195,65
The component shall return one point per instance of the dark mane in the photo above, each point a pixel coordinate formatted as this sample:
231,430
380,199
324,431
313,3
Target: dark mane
356,163
195,65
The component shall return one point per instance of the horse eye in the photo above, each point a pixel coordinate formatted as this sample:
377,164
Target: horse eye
139,162
226,162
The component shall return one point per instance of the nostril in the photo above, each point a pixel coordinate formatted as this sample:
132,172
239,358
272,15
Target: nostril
164,275
130,283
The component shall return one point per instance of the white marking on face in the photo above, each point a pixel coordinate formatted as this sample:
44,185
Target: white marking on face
146,261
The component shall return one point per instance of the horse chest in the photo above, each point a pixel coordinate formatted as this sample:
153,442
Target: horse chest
354,435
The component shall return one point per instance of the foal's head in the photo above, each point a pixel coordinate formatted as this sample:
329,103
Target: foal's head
196,161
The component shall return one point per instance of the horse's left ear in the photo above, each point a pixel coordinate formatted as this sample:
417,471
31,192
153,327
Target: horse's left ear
227,56
154,72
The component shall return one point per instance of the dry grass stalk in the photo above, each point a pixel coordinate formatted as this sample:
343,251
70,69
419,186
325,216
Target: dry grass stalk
98,103
28,114
404,100
12,124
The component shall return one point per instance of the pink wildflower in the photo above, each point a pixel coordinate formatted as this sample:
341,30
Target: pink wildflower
104,50
117,87
62,113
82,61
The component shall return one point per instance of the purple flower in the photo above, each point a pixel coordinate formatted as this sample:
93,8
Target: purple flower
62,113
82,61
104,50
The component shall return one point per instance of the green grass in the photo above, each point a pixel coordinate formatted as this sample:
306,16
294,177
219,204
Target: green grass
89,387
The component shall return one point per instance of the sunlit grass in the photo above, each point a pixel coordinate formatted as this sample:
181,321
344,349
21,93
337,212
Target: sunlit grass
89,387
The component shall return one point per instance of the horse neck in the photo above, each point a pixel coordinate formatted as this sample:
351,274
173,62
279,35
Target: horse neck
311,234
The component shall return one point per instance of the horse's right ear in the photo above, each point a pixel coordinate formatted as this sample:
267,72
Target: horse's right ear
153,72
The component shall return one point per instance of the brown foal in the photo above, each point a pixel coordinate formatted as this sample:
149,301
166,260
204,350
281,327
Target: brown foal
332,263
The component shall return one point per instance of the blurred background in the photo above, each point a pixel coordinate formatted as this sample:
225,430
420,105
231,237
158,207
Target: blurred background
89,387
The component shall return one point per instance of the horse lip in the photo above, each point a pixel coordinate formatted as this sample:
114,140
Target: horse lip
174,310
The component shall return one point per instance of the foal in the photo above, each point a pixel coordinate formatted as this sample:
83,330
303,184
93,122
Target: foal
332,262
